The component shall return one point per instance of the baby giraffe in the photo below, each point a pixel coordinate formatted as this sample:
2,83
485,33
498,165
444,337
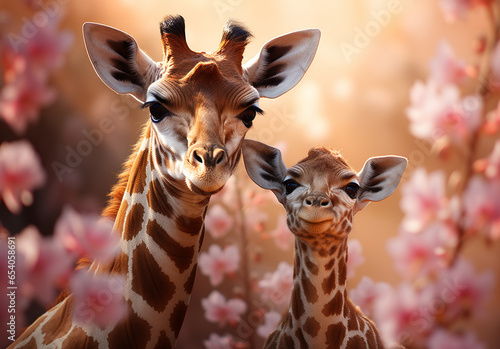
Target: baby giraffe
321,194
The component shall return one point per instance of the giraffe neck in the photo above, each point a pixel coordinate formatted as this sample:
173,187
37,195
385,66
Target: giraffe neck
321,315
160,222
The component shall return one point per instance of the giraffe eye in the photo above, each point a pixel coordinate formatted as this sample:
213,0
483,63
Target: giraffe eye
290,186
158,112
352,190
249,114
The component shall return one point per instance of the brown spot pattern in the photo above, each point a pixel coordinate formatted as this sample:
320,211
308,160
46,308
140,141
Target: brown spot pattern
163,342
158,200
30,345
309,289
177,317
312,326
191,226
29,331
78,339
334,307
188,285
297,306
59,324
137,180
286,341
180,255
133,333
335,335
313,268
328,283
356,342
133,223
342,271
300,336
330,264
120,218
149,281
119,265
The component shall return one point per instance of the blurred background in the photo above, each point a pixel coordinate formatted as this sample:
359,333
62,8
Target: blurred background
353,98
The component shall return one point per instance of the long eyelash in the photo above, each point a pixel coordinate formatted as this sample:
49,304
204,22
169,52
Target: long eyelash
147,104
256,109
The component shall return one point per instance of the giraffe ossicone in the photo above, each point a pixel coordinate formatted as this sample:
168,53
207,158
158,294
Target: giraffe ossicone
201,106
321,193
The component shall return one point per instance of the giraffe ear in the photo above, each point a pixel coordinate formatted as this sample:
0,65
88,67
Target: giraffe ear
282,62
118,61
265,166
379,178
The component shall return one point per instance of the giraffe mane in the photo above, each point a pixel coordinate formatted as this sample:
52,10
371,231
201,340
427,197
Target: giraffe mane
115,197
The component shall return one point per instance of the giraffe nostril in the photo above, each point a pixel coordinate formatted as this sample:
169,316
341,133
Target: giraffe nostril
197,157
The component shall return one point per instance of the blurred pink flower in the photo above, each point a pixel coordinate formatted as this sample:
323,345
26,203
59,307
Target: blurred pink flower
481,200
98,298
22,100
492,166
218,342
495,63
277,286
87,235
282,236
271,321
367,292
217,262
423,199
437,111
48,265
255,220
218,222
457,9
20,173
355,256
223,312
442,339
422,254
445,68
403,315
463,289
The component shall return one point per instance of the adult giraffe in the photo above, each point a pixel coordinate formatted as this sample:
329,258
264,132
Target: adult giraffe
201,107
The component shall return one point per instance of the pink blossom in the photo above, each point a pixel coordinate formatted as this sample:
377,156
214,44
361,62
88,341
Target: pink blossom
21,101
423,199
277,286
281,235
463,289
98,298
87,235
442,339
481,199
217,262
492,165
20,173
457,9
218,342
218,222
222,311
367,292
437,111
271,321
355,256
255,220
445,68
495,63
48,265
422,254
405,315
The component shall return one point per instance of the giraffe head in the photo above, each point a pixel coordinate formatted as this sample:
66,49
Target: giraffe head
201,104
321,193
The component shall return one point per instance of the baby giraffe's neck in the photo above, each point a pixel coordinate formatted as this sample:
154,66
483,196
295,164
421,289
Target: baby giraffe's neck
321,315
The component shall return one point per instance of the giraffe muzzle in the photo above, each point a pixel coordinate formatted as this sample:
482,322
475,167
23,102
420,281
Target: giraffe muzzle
208,157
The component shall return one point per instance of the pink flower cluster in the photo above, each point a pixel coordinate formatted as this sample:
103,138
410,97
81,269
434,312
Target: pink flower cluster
45,265
20,173
28,64
441,290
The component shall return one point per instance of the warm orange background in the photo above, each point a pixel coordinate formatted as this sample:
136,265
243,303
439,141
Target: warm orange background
357,107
